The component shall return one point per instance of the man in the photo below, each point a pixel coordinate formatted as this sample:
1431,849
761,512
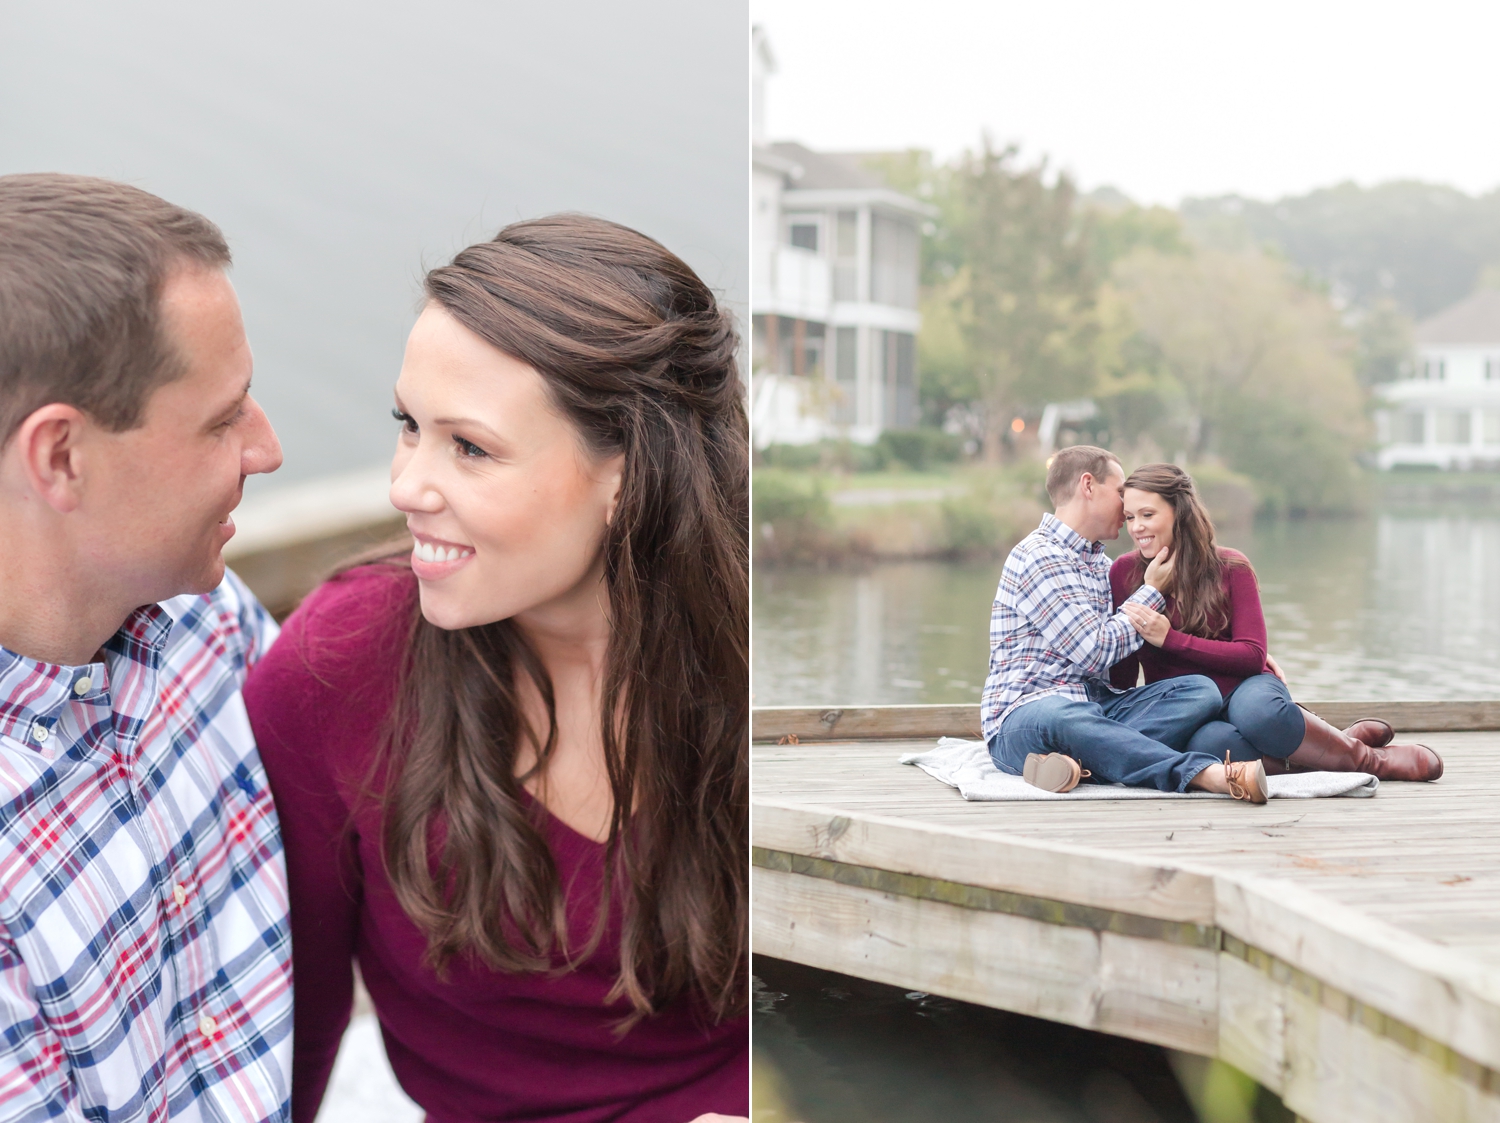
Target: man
1049,711
144,953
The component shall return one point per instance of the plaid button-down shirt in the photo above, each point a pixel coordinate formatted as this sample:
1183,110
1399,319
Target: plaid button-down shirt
145,961
1052,630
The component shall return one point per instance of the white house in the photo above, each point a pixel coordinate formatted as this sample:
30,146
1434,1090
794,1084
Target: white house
1446,414
834,281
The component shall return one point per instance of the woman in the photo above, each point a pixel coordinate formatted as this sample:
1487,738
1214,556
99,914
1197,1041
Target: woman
1214,626
510,764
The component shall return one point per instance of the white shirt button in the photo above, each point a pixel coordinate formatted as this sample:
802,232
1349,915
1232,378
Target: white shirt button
179,894
207,1026
82,685
40,733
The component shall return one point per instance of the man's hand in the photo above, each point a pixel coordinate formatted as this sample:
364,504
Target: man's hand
1159,571
1274,668
1152,625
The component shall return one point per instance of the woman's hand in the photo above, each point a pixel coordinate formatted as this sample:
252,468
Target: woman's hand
1274,668
1152,625
1159,571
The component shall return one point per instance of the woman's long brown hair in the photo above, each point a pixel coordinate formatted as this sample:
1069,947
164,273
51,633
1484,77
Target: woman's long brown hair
638,355
1197,566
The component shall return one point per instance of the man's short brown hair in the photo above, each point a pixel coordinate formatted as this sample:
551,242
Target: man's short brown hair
82,265
1069,464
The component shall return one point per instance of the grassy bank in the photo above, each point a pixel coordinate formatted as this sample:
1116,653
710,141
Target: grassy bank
828,518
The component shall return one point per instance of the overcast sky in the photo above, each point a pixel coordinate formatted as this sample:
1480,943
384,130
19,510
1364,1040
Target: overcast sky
1161,98
344,145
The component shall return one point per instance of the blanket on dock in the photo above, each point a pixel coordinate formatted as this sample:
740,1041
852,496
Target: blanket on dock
966,765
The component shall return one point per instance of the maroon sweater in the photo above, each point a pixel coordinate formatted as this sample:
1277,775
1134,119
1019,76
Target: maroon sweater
478,1044
1229,660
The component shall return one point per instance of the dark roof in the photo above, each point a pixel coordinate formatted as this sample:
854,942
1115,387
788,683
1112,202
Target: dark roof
826,170
1473,320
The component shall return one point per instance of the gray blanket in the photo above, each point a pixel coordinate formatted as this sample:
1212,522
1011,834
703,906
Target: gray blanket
966,765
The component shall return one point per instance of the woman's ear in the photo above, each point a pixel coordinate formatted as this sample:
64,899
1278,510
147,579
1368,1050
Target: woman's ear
612,478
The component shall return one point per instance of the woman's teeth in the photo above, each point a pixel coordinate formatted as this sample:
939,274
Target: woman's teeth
427,552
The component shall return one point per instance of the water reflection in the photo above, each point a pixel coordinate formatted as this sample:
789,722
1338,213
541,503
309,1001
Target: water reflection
1401,605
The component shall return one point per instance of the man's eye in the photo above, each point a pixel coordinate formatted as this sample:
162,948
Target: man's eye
468,448
406,420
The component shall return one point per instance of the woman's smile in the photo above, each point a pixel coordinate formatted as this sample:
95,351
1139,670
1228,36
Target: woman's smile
433,559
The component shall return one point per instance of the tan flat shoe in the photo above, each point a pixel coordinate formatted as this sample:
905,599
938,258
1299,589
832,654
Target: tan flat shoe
1247,779
1053,772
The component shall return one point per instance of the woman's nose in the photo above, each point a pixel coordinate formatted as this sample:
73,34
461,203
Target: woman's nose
411,488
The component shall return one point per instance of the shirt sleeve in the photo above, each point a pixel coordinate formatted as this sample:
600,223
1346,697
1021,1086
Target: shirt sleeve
1054,597
1243,654
291,710
35,1083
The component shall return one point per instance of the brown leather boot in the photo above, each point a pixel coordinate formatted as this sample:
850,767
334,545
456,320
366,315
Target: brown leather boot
1372,731
1326,749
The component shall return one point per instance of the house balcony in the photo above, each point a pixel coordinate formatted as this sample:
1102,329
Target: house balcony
792,282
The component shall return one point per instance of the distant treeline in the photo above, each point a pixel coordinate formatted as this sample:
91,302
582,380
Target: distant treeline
1423,245
1243,336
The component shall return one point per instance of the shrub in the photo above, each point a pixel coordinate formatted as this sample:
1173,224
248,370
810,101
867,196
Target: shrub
919,449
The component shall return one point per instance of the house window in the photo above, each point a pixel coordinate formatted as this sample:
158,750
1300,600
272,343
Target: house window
1453,426
894,261
1433,370
1411,427
804,235
846,256
1492,426
846,367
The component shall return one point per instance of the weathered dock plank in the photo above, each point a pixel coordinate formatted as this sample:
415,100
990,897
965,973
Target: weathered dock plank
875,723
1344,952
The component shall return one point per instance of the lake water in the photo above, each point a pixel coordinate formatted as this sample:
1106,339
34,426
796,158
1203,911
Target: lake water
1403,604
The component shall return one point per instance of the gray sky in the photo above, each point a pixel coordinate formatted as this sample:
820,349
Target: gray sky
1161,98
344,144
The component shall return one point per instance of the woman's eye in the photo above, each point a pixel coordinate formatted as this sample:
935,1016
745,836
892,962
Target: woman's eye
468,448
406,421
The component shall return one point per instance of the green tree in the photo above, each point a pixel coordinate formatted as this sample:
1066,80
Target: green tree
1265,368
1025,290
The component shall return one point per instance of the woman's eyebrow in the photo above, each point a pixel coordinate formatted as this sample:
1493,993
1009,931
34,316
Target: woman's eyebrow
473,422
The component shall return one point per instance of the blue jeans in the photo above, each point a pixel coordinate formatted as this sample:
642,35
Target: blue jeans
1258,719
1139,738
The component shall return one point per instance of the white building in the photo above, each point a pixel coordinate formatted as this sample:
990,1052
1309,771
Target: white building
834,280
1447,413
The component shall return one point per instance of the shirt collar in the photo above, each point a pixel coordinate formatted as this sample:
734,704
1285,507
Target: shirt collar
1062,533
32,691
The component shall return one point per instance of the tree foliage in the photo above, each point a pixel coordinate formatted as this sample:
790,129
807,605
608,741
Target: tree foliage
1263,366
1025,290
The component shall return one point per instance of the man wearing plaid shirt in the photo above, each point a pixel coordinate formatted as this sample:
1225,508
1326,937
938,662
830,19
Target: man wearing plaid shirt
1053,638
145,968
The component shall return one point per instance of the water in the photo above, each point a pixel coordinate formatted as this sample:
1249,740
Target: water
342,146
1399,605
831,1049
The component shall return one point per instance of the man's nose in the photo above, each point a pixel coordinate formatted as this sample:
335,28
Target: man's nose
262,451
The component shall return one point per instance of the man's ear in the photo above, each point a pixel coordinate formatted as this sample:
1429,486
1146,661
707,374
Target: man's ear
1085,487
48,450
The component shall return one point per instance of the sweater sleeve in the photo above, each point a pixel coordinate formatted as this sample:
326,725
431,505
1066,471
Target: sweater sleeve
1243,654
294,704
1124,674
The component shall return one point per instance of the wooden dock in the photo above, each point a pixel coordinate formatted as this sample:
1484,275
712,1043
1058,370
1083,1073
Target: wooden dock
1343,952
